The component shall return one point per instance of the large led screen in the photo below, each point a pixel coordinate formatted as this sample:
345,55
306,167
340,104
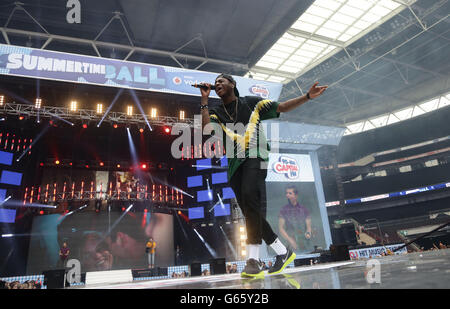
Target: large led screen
292,203
101,241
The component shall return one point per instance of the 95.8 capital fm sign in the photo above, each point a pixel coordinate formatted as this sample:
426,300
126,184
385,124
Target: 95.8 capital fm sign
289,168
45,64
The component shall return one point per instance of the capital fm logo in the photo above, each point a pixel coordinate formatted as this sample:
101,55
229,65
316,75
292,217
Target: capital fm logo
287,166
260,91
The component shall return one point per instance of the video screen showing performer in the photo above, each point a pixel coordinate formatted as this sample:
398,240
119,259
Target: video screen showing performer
101,241
294,221
293,211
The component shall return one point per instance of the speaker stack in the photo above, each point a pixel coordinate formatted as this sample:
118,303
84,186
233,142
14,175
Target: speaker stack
54,279
217,266
195,269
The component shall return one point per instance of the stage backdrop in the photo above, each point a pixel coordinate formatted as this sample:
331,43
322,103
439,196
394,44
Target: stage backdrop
100,241
290,181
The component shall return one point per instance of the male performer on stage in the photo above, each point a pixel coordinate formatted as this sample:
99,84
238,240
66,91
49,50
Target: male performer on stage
246,171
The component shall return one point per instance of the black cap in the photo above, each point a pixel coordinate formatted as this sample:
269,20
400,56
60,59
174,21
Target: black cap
231,79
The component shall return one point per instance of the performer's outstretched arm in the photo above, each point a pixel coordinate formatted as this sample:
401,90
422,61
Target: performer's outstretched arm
291,104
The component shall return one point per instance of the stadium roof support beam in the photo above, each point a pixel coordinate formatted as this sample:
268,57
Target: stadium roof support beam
134,49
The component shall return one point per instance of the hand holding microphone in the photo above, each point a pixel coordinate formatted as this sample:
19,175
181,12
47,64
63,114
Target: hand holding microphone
205,89
204,86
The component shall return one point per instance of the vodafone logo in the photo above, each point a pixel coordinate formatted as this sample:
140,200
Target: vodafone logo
287,166
176,80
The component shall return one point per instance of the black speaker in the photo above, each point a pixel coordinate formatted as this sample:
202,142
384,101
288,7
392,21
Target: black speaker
54,279
140,273
195,269
302,262
162,271
217,266
340,252
348,234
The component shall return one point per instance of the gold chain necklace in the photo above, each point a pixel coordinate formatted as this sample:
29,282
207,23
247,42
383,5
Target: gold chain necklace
235,112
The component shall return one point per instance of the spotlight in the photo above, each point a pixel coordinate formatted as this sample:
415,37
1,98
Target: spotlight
73,106
102,164
144,166
38,103
2,100
181,115
141,130
154,112
85,126
130,110
21,117
118,165
57,162
115,126
41,212
99,108
167,130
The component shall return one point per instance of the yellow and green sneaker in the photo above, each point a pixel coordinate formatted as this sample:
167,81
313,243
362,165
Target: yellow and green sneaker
282,261
252,269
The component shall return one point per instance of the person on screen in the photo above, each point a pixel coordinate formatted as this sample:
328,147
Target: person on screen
64,252
294,221
150,248
246,160
103,244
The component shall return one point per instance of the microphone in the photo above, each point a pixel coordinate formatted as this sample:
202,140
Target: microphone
203,86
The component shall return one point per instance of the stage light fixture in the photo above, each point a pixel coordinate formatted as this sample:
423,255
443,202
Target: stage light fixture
115,126
99,108
57,162
37,104
143,166
141,130
73,106
181,115
85,126
129,110
2,100
154,112
102,164
118,165
21,117
167,130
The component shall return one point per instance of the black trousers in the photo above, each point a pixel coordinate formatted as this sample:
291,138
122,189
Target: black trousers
249,186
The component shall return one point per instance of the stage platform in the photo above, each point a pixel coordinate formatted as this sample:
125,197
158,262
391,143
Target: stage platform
427,270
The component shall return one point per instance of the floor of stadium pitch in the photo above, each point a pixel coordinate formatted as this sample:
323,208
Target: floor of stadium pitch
430,270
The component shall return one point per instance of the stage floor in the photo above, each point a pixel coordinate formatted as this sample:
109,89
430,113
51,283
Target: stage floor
427,270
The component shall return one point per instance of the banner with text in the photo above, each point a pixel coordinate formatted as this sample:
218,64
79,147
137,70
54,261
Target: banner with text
44,64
